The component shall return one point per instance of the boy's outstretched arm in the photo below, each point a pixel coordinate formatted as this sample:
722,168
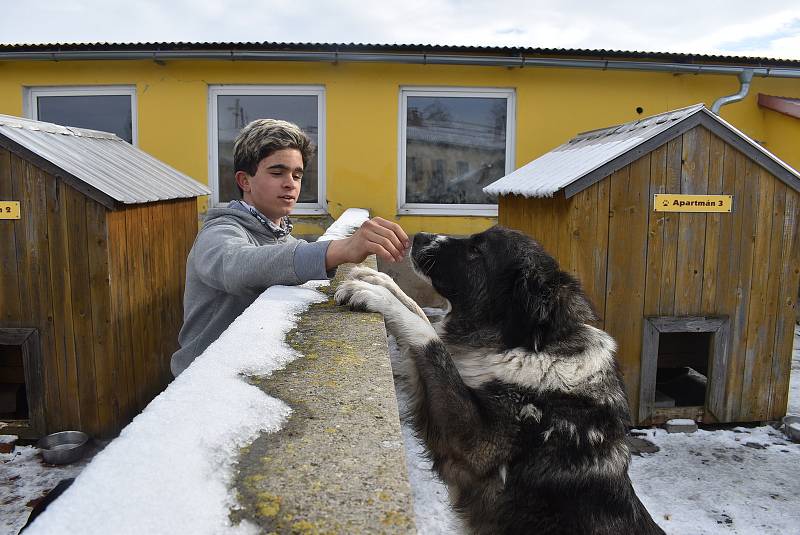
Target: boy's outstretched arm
377,236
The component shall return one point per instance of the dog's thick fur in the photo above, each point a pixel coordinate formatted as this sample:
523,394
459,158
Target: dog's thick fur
518,399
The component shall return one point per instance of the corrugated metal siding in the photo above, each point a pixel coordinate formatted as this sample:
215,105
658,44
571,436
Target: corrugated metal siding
103,161
562,166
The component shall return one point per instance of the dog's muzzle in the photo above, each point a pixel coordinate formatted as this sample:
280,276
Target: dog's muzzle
422,240
422,252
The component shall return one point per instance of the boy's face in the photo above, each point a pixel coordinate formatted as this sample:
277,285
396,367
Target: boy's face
275,187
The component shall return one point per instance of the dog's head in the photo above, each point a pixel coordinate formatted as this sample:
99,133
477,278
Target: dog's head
504,280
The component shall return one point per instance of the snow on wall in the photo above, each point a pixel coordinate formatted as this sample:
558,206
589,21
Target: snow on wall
347,223
169,471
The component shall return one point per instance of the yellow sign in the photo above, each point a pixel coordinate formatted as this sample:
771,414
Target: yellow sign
9,209
665,202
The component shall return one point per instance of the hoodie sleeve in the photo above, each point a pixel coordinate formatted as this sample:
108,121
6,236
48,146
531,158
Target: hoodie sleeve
309,261
225,259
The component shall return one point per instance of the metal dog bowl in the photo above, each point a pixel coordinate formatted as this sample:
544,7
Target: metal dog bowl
64,447
791,426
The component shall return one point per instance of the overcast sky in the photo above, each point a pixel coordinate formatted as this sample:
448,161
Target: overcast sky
738,27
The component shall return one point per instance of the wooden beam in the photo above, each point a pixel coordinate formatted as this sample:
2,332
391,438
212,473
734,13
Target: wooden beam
785,105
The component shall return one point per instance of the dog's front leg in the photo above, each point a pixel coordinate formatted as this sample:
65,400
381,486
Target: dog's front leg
463,442
408,327
446,412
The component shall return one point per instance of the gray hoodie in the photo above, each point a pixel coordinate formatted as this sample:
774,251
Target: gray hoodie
233,260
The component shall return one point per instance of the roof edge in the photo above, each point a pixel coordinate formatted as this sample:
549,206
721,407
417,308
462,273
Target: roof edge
51,128
699,116
729,133
11,128
52,169
410,54
517,51
703,117
630,156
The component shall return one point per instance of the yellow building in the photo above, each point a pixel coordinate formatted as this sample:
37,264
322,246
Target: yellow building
410,132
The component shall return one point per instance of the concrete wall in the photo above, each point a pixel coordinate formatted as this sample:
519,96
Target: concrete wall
338,464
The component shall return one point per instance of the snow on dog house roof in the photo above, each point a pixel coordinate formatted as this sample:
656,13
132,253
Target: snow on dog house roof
591,156
99,164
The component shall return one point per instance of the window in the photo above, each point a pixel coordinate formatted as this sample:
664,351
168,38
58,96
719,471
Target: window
453,143
106,108
232,107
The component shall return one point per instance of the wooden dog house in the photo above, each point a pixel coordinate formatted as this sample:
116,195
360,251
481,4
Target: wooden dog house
702,303
94,235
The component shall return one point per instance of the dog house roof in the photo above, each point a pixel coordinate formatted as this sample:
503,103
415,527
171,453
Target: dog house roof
114,170
591,156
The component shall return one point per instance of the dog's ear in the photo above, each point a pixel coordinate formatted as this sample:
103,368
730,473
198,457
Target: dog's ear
546,305
575,301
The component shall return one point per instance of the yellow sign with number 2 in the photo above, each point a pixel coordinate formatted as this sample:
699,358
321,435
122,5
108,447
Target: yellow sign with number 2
9,209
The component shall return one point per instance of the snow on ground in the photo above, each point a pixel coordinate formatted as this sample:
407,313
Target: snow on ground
23,479
744,481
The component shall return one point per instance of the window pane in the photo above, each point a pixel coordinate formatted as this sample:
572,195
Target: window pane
109,113
454,147
235,111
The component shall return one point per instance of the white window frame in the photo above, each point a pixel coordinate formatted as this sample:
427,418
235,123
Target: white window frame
31,110
318,208
405,208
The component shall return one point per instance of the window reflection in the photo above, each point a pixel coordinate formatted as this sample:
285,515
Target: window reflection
454,147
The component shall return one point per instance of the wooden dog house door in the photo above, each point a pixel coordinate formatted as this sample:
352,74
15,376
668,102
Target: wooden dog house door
683,368
21,386
13,397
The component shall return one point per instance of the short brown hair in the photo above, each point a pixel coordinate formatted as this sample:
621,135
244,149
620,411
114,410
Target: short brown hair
263,137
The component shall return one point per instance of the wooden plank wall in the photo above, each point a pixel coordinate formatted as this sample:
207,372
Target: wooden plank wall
627,261
634,262
46,286
104,289
9,280
148,265
35,301
788,270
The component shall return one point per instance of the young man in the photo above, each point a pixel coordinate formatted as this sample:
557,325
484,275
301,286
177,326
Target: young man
246,247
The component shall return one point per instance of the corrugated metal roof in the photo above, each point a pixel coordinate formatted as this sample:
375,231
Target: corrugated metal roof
403,48
103,161
592,151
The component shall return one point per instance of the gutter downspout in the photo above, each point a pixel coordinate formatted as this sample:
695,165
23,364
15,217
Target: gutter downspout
745,77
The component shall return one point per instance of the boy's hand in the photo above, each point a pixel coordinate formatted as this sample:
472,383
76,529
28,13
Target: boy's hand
376,236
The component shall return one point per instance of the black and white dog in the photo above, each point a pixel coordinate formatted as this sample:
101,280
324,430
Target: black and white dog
517,398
